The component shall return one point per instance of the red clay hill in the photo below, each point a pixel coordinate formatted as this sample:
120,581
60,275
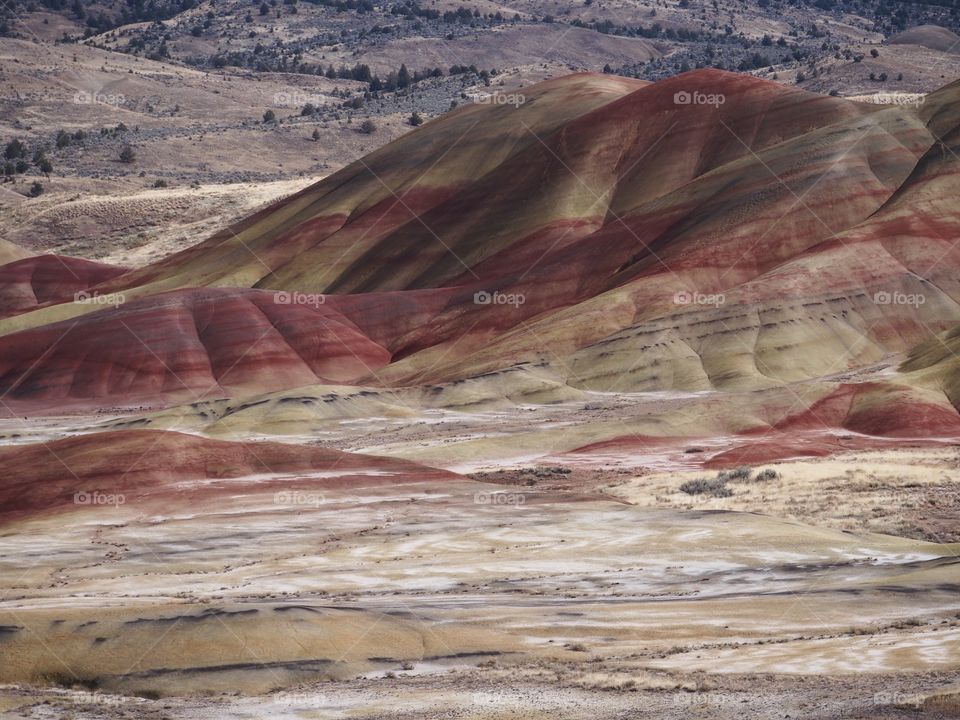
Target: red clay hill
158,469
712,231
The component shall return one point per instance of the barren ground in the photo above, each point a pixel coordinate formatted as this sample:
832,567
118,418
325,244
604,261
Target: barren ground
551,588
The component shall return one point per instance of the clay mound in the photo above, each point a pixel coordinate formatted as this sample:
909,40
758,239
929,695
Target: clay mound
229,647
815,420
489,189
881,410
753,233
185,345
621,284
576,234
929,36
153,467
321,231
27,283
874,415
310,410
935,364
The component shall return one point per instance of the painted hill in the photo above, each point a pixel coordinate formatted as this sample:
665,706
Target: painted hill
167,469
185,345
710,232
48,279
929,36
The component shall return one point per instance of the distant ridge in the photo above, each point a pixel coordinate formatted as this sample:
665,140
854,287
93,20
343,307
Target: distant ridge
929,36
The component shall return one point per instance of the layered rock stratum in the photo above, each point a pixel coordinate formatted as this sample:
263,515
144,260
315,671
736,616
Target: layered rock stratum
710,233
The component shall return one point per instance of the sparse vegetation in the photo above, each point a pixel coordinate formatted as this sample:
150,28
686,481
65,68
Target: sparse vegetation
715,487
740,473
15,149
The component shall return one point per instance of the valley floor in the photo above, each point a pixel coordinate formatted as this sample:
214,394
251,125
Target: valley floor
545,594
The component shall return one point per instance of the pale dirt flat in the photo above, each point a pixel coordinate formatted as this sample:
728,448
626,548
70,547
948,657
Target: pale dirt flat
902,492
342,592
